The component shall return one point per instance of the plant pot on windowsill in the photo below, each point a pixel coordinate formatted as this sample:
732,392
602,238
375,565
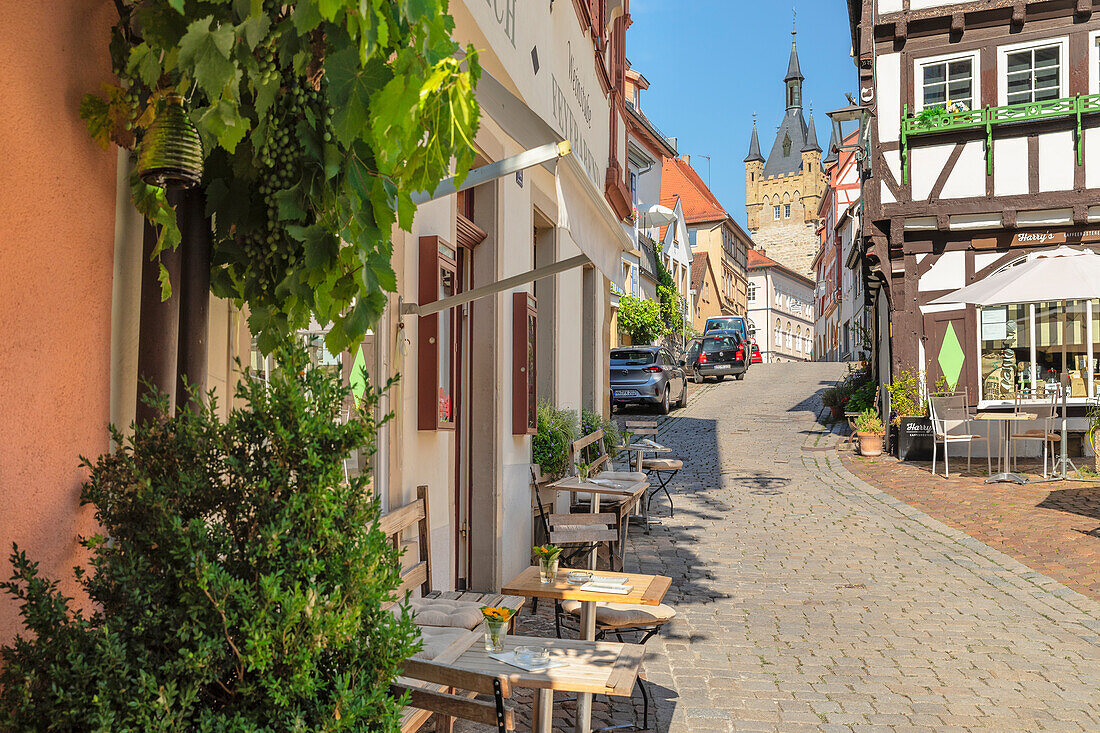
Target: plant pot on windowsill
915,438
870,444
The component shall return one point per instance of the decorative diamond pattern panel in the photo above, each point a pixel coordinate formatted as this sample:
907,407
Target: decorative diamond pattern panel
951,357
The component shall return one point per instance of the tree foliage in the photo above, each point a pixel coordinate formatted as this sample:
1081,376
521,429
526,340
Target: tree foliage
238,581
319,119
640,318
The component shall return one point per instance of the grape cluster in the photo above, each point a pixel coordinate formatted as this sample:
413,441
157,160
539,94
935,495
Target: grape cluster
268,247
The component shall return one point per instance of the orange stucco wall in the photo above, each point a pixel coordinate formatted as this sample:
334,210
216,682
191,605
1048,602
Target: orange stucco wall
57,209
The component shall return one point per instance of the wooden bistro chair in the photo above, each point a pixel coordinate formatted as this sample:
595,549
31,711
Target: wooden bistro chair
665,469
441,690
951,423
447,609
592,445
1046,413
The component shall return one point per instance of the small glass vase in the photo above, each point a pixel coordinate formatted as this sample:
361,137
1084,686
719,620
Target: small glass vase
495,632
548,569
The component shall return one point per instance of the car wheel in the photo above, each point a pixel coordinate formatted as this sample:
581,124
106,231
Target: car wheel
663,407
683,395
698,379
740,376
720,378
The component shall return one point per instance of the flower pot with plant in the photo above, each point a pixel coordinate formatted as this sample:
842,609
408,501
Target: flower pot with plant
910,416
496,620
548,556
831,399
869,431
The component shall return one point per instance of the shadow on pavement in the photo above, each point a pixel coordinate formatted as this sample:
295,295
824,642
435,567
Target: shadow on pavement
1082,501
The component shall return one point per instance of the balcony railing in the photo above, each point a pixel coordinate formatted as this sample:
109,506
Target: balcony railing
989,117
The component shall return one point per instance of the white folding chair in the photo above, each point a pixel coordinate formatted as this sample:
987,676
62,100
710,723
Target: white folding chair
1046,413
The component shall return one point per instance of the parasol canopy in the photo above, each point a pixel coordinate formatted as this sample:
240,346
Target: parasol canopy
1059,274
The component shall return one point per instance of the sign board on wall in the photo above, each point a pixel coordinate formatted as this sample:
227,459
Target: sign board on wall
550,63
1039,238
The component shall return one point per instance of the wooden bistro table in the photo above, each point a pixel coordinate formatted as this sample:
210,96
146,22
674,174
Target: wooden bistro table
641,448
591,667
630,487
645,590
1006,419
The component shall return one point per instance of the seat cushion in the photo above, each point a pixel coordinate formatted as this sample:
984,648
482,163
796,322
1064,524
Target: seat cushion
662,464
443,613
435,640
620,615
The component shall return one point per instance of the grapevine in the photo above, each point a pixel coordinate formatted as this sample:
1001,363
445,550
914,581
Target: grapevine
319,119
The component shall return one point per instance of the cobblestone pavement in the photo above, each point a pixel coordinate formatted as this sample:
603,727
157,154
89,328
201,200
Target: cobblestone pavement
809,600
1051,528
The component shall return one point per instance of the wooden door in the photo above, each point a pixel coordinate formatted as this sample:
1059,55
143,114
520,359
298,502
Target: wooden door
951,351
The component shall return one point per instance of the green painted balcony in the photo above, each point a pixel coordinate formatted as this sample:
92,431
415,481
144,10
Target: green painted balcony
986,118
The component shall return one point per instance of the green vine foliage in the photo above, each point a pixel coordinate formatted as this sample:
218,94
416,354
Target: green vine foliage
319,119
640,318
238,581
667,295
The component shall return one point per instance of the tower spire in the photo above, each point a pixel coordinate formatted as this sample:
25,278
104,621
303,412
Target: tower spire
754,145
794,77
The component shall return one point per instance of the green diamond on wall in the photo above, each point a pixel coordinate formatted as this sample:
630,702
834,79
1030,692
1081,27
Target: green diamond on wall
358,381
951,357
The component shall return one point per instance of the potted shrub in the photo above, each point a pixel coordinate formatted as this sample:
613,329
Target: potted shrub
870,431
557,428
910,410
831,399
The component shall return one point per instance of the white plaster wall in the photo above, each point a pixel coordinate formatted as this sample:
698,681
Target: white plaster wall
920,4
1092,158
889,6
983,260
968,177
1010,166
515,256
1057,161
427,456
926,164
949,272
888,93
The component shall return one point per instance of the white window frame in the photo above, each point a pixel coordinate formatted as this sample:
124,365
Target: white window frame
786,211
1094,62
752,292
918,75
776,210
1002,65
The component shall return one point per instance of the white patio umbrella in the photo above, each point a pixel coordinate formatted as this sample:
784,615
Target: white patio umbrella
1060,274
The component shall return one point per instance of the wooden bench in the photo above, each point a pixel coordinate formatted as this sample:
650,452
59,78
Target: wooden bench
419,574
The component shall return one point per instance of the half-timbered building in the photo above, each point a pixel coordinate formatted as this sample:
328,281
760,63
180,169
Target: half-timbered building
982,145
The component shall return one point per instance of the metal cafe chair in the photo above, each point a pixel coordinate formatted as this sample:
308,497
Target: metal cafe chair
951,423
1046,413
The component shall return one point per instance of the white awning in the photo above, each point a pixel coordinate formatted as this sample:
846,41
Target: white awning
582,209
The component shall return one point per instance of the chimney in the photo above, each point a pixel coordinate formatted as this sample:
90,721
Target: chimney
686,158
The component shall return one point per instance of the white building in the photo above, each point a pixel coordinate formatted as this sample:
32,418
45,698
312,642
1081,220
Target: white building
781,306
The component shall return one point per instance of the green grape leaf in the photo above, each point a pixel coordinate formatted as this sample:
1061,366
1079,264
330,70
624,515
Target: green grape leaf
349,92
224,123
210,53
95,112
306,16
254,30
145,64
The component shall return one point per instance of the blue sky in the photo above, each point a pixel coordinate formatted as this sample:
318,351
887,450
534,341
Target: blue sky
712,63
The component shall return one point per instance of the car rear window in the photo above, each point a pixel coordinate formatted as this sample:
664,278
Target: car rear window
721,324
632,358
719,343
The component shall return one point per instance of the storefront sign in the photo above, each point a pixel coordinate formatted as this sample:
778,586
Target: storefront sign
505,13
1038,238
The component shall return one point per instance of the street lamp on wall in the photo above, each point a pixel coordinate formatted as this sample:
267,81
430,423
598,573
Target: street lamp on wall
851,113
170,155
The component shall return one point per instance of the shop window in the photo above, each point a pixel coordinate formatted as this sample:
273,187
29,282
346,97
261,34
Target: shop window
524,393
437,345
1028,348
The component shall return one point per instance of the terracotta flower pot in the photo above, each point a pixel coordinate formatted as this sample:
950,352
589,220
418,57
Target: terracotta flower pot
870,444
837,410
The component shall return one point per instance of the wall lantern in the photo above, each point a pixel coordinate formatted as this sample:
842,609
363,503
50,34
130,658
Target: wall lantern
851,113
170,155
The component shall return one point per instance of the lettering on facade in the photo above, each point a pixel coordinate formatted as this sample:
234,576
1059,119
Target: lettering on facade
578,89
569,127
505,12
1037,238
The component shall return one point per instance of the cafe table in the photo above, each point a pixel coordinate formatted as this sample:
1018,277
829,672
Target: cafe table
645,590
628,486
1006,419
586,668
640,448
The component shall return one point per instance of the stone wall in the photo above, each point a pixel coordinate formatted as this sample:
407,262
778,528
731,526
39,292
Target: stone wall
790,242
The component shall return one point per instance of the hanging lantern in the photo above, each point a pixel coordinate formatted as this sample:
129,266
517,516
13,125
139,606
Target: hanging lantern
171,151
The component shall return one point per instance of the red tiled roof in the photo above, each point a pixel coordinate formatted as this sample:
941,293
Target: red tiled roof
759,259
680,179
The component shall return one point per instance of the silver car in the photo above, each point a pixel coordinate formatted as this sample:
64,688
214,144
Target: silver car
647,375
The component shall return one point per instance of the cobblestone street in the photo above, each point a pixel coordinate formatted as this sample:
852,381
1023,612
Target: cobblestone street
809,600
